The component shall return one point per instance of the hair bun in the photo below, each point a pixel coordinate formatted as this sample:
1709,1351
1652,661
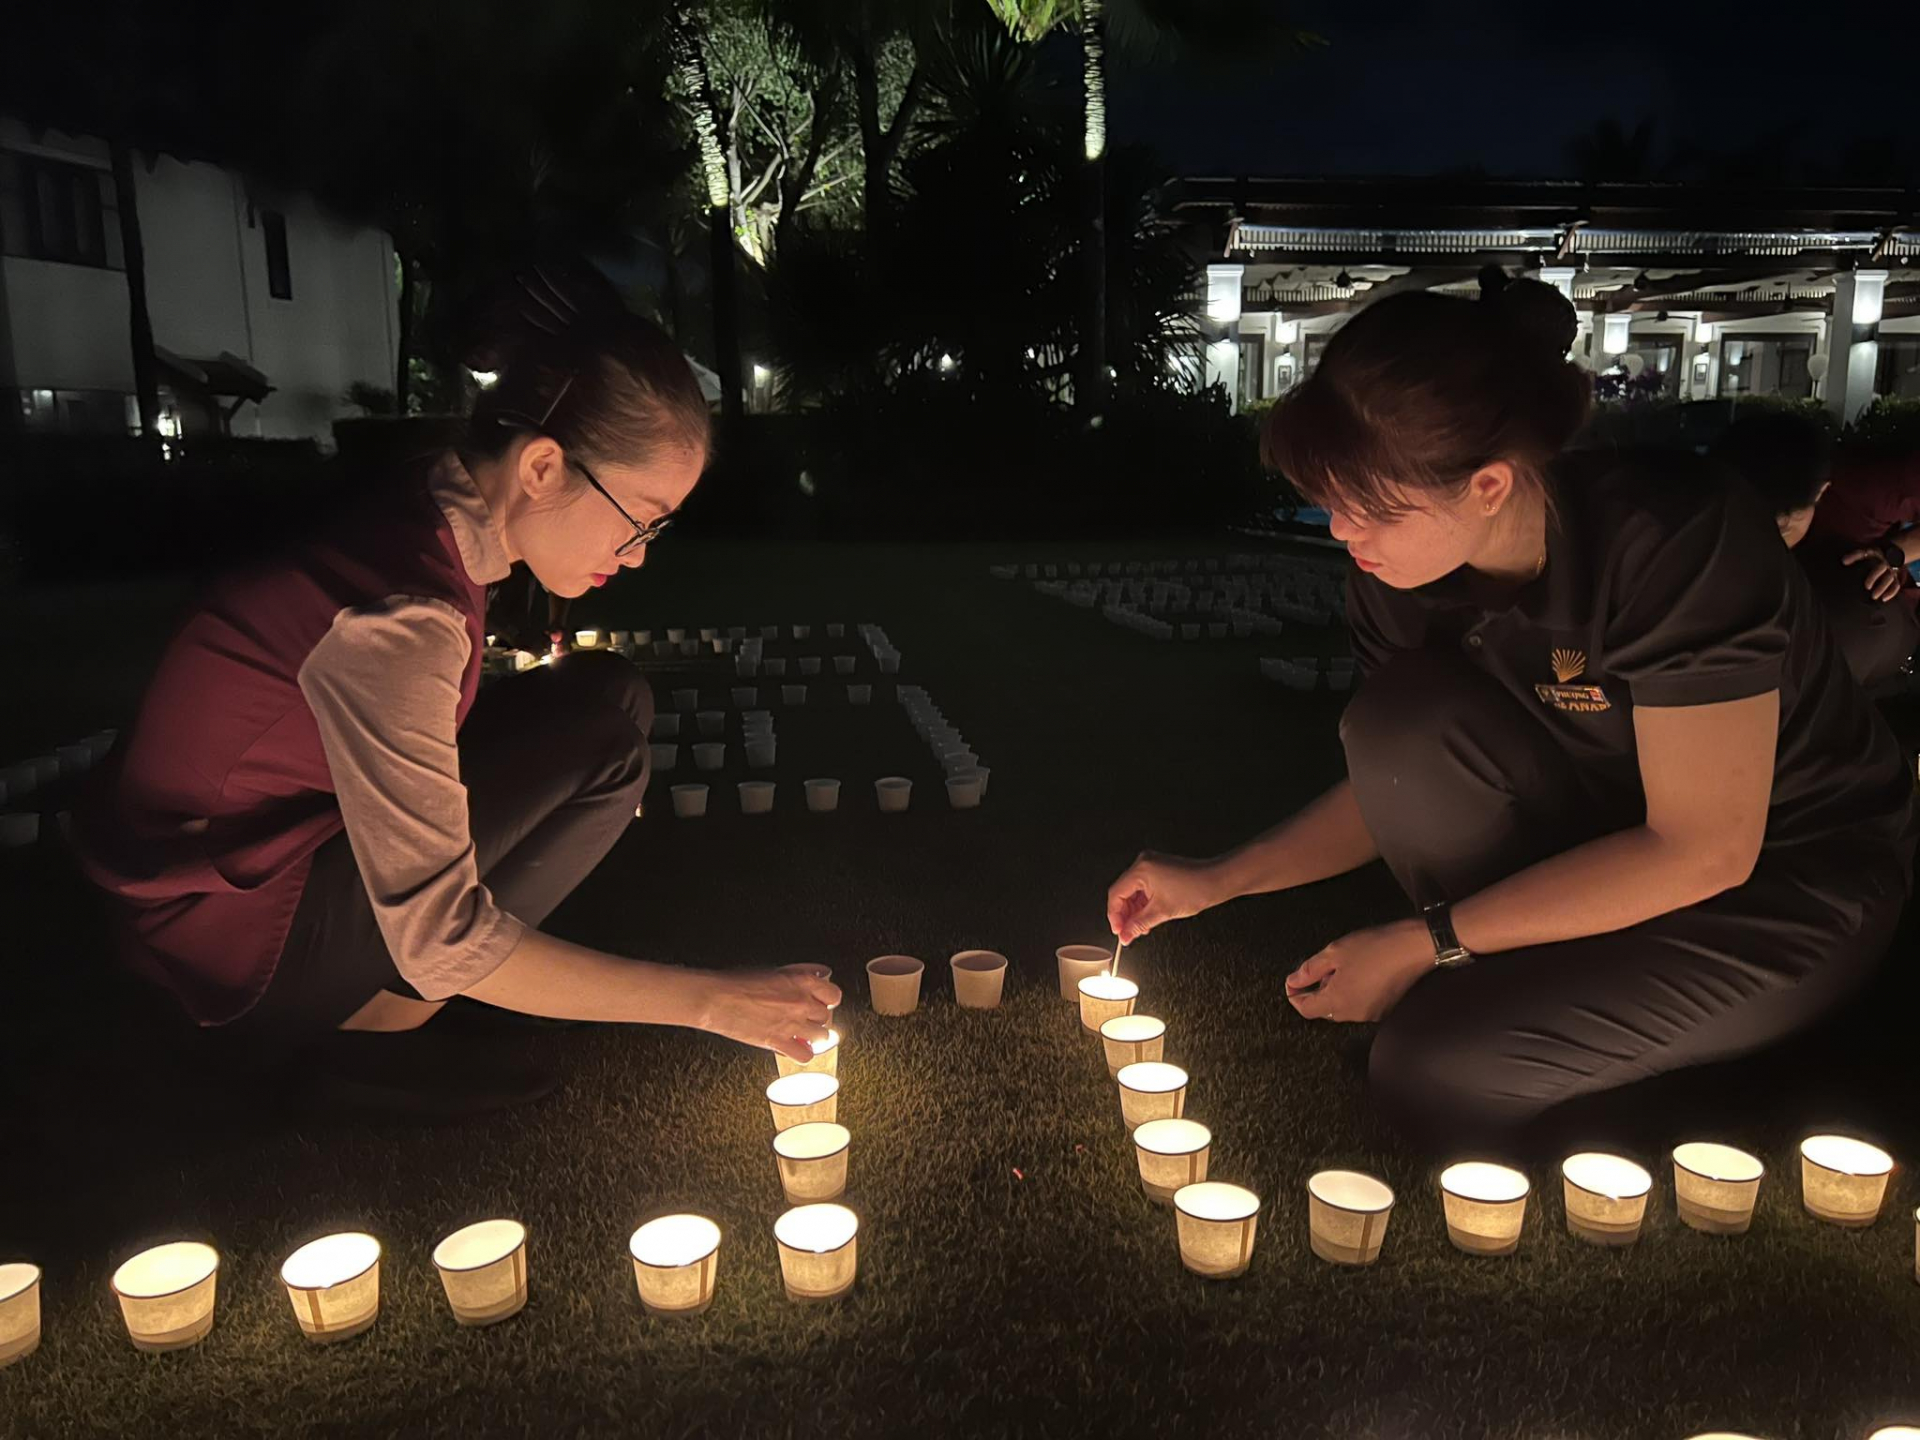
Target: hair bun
1536,314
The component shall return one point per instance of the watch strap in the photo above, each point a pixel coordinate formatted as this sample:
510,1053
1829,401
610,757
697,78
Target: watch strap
1447,949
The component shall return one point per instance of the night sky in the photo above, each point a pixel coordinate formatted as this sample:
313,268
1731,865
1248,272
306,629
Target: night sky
1422,87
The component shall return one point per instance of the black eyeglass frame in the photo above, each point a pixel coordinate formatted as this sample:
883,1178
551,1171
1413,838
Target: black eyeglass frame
643,535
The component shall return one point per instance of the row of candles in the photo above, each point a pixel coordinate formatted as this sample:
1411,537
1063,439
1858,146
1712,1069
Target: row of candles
1843,1179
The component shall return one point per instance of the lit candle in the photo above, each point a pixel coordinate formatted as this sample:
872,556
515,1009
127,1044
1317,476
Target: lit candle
1171,1154
586,639
1606,1197
1216,1225
1715,1186
1151,1090
1843,1180
818,1251
1102,997
334,1284
978,978
802,1098
1485,1205
166,1294
1077,963
893,984
1130,1039
1347,1215
825,1061
19,1312
812,1161
676,1261
483,1269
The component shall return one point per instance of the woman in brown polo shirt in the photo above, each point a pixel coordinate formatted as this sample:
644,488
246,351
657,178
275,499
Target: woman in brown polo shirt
1604,741
319,829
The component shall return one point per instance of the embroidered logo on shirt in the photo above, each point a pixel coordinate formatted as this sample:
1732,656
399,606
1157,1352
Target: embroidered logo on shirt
1570,665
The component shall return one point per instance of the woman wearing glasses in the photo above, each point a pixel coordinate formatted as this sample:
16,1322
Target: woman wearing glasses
320,830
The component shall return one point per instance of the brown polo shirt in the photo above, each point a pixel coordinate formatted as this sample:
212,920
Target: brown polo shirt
1665,585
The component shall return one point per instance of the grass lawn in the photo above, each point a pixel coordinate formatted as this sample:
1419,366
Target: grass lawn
1013,1278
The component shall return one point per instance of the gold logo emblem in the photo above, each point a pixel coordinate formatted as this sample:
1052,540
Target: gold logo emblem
1570,665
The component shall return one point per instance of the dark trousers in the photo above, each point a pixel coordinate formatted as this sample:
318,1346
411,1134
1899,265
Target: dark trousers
1461,788
554,761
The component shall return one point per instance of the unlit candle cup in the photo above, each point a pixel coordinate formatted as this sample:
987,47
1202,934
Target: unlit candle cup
979,976
1606,1197
825,1061
818,1251
773,668
686,699
666,727
619,637
74,759
689,801
1485,1206
761,753
1132,1040
1102,997
334,1284
823,795
889,662
746,666
166,1294
801,632
756,797
709,632
483,1269
836,630
46,768
963,790
812,1161
803,1098
1077,963
709,755
809,664
676,1261
745,697
1216,1224
712,722
793,694
1715,1186
1347,1214
843,664
663,757
19,1312
859,694
676,633
1842,1180
1151,1090
1171,1154
893,793
893,984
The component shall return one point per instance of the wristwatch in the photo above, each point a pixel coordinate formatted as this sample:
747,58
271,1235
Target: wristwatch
1448,952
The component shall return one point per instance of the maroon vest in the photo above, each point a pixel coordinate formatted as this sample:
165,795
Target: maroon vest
205,819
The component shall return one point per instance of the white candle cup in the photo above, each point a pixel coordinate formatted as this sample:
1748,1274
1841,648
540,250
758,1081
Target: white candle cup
893,984
709,632
620,637
769,632
843,664
1132,1040
1606,1197
1216,1225
663,647
819,1255
810,665
74,759
1102,997
686,700
689,646
167,1293
983,775
756,797
689,801
761,753
676,1262
1485,1207
483,1269
836,630
823,795
736,632
1842,1180
963,790
745,697
825,1061
643,637
801,632
102,742
662,758
1077,963
812,1161
1347,1214
712,722
859,694
979,976
587,639
1715,1186
746,666
676,633
46,768
889,662
793,694
1171,1154
20,780
893,793
334,1285
774,669
1151,1090
710,755
19,1312
665,727
803,1098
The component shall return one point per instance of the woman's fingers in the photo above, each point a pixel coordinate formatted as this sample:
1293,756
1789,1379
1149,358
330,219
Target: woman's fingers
1311,972
794,1048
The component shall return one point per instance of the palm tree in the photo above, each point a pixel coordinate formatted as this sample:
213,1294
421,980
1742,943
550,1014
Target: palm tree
710,128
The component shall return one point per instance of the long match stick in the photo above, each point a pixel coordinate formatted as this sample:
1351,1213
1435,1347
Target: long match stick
1113,967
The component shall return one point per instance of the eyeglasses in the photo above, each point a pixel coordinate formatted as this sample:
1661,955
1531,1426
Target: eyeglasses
643,535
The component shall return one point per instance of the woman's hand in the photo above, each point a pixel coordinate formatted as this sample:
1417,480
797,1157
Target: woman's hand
775,1009
1883,581
1157,888
1363,975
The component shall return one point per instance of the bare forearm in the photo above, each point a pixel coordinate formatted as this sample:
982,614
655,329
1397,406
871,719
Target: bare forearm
1592,889
1909,542
1324,839
545,976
